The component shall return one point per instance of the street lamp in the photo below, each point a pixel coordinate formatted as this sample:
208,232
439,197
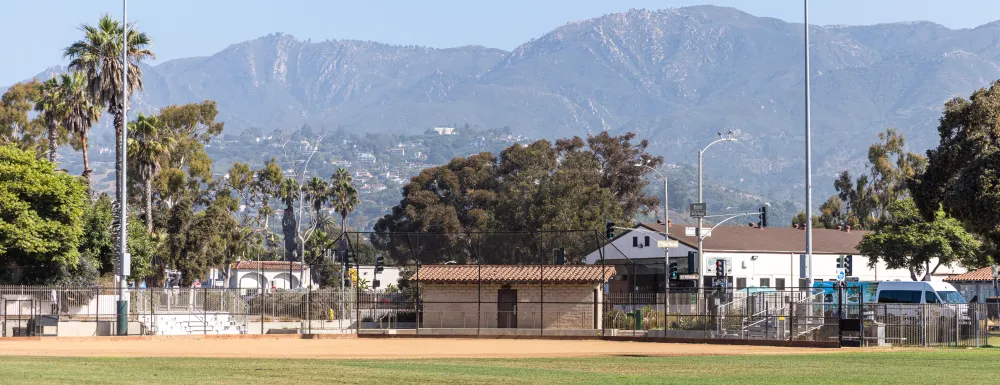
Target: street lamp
809,180
124,260
666,236
666,229
729,137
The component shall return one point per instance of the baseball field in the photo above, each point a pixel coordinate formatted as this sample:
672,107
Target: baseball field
474,361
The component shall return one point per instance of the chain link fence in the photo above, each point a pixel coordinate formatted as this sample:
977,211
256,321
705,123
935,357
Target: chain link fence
502,284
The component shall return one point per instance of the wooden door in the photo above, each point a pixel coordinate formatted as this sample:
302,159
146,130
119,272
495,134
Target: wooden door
507,308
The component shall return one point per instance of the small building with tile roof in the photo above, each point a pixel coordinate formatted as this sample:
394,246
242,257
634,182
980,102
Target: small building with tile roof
976,284
467,299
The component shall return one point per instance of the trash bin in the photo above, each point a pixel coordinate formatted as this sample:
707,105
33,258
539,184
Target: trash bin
637,316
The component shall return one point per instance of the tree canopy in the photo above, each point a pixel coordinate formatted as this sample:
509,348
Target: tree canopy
866,200
569,185
41,214
963,172
905,240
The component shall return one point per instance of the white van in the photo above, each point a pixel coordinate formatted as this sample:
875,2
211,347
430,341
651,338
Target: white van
917,292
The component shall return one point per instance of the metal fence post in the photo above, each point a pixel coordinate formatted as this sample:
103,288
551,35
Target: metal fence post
923,325
479,295
541,285
97,313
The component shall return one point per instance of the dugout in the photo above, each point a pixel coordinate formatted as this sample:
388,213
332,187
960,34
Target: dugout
459,298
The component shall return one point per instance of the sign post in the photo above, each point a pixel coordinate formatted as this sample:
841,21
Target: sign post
698,210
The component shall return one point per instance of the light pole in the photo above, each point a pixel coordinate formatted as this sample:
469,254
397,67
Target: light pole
124,264
809,187
666,229
666,237
701,237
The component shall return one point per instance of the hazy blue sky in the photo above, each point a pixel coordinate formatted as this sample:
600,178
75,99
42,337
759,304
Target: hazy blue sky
37,30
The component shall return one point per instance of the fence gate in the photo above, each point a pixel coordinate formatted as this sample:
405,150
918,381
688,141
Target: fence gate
850,316
17,317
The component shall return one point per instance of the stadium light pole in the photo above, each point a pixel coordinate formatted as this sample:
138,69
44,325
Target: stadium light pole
124,264
701,237
666,236
809,187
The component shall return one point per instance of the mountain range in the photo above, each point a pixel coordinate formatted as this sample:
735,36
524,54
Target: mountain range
674,76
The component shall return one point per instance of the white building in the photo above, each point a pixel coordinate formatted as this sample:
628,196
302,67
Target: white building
388,276
254,275
444,130
755,257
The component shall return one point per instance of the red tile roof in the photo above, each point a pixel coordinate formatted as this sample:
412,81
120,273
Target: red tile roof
513,273
984,274
265,265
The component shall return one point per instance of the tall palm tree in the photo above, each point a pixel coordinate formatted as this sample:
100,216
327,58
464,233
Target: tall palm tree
146,149
317,193
99,56
80,114
49,109
344,195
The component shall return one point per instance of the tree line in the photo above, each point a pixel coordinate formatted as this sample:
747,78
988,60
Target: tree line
924,212
58,229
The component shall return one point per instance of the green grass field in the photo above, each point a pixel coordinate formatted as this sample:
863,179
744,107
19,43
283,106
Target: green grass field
913,367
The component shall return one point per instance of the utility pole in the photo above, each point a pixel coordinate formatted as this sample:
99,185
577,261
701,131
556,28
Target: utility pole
809,187
124,262
701,237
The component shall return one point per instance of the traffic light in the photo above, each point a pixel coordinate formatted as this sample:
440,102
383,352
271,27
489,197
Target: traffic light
349,261
720,268
379,262
762,217
609,230
848,265
673,270
692,262
560,256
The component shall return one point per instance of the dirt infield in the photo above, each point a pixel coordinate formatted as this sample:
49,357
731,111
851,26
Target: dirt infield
370,348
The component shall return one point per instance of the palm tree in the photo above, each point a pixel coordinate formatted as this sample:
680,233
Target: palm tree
344,195
48,107
80,114
317,192
99,56
146,149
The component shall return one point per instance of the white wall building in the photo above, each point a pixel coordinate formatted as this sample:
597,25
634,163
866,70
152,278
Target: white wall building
253,275
755,257
388,276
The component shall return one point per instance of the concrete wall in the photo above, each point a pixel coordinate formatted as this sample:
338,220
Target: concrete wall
77,329
564,306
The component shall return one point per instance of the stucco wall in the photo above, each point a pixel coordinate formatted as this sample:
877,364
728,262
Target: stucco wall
770,266
469,306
